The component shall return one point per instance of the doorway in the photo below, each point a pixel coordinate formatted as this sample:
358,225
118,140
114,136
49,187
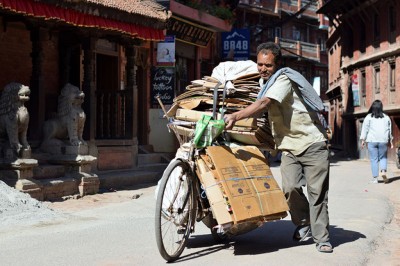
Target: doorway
111,105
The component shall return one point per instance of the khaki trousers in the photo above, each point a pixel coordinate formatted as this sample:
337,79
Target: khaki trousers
311,169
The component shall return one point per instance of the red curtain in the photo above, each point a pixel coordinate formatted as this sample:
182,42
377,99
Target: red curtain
50,12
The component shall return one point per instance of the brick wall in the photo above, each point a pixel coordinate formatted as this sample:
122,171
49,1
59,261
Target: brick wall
16,61
15,49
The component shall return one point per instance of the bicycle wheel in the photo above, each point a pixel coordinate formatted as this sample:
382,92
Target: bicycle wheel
175,210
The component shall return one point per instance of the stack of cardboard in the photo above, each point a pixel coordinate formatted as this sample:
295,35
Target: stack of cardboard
239,185
235,95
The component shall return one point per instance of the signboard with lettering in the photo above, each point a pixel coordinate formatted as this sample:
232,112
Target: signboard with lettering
236,44
162,84
189,32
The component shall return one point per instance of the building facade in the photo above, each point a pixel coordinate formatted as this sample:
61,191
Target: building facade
296,27
196,28
101,47
364,58
294,24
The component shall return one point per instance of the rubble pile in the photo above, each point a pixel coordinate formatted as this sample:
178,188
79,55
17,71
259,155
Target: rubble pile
238,87
18,208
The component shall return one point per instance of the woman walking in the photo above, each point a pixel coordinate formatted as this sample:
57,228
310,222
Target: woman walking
377,133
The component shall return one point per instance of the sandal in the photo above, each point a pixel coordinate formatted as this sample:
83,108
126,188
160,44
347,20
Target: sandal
302,233
324,247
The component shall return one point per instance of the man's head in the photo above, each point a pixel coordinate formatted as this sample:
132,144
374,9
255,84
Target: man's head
268,59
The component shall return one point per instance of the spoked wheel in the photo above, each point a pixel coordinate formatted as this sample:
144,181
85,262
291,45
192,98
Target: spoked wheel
175,210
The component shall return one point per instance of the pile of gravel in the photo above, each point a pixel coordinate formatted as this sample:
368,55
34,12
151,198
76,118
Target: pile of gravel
18,208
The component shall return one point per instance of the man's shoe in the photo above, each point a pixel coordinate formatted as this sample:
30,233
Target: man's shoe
302,233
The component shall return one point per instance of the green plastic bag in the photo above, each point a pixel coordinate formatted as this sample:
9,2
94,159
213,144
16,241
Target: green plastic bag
207,129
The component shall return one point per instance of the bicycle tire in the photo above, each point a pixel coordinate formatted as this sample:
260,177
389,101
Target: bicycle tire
175,210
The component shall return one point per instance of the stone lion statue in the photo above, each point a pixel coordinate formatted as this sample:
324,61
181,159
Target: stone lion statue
14,116
70,119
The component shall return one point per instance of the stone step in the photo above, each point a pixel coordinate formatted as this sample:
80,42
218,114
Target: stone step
48,171
150,158
146,149
123,179
154,167
40,156
55,189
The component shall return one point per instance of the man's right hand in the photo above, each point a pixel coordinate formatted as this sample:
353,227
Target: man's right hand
253,109
230,120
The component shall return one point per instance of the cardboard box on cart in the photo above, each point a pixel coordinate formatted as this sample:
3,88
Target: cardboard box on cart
240,186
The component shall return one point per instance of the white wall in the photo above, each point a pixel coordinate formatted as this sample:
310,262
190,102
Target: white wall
159,136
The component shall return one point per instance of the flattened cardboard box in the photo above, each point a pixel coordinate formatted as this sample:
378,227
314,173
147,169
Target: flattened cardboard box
247,182
194,116
253,137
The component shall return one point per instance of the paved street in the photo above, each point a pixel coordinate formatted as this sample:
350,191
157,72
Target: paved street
118,229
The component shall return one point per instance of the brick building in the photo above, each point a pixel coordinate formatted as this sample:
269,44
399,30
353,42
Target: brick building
296,27
364,58
102,47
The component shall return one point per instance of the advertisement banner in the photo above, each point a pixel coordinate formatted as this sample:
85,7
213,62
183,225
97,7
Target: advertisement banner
166,52
236,45
355,90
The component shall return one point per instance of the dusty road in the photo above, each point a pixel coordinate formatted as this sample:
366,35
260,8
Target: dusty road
118,229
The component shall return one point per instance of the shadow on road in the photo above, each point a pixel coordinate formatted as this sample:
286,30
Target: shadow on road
271,237
340,236
393,179
212,247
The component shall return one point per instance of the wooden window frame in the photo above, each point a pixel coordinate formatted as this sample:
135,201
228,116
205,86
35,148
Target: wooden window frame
377,78
392,75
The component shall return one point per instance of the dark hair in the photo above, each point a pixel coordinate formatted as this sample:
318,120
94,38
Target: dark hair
376,109
272,47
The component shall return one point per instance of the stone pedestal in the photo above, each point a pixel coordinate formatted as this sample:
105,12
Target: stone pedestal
89,185
30,186
78,166
19,172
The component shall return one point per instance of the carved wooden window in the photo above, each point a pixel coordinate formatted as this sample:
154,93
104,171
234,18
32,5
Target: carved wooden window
296,35
377,78
377,36
363,38
392,75
363,83
392,24
278,32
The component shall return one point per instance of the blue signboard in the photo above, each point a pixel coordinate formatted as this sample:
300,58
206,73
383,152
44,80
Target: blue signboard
236,44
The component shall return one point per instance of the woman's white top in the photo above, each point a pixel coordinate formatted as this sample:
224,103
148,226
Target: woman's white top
376,129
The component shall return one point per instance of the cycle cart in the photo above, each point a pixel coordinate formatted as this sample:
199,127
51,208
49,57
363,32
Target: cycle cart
182,201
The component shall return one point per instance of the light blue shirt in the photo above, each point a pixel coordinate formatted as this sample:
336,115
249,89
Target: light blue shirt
376,129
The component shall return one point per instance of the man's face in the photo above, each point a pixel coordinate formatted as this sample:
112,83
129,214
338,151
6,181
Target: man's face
266,65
